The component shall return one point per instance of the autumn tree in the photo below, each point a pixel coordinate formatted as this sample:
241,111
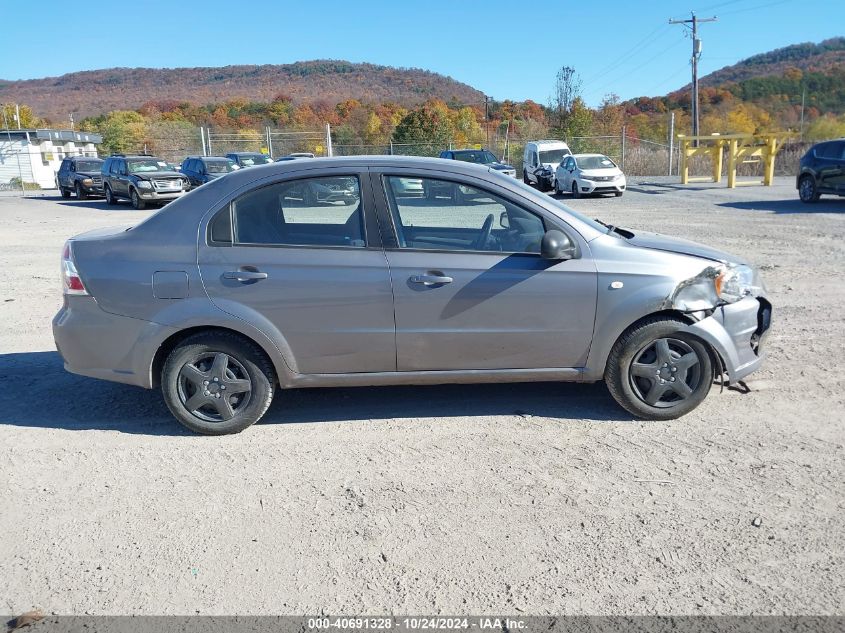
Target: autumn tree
429,124
122,131
27,118
567,88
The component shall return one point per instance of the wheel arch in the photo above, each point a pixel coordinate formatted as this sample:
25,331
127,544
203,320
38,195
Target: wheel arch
597,364
172,341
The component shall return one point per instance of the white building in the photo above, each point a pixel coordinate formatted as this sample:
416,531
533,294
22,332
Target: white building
35,155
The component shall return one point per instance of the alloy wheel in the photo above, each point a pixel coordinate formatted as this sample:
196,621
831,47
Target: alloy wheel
214,386
807,189
665,373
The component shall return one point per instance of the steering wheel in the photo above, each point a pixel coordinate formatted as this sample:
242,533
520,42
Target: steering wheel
486,229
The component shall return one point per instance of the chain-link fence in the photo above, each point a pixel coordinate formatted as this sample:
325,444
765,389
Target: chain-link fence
636,156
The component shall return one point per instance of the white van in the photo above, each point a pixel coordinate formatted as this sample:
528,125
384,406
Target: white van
542,154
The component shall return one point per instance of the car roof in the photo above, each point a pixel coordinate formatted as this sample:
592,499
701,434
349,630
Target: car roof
547,142
85,158
577,156
245,154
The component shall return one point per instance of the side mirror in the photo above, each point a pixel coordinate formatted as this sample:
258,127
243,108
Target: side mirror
504,221
556,245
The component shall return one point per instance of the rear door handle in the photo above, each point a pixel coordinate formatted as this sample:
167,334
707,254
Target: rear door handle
244,275
431,280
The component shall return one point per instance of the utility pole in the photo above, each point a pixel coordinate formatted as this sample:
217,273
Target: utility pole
487,119
696,54
803,95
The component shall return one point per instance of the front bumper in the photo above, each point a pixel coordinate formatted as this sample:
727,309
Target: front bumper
160,195
592,186
737,331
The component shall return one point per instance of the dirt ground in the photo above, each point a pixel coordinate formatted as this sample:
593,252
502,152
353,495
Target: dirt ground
532,499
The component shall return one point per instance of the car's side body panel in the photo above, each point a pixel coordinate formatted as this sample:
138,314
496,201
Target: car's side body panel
330,320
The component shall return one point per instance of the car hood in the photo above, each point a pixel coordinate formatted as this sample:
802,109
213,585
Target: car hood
499,166
659,242
611,171
89,174
165,173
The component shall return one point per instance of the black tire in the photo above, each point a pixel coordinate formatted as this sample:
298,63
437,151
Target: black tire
618,194
196,359
65,193
110,199
807,189
576,192
640,381
137,202
80,193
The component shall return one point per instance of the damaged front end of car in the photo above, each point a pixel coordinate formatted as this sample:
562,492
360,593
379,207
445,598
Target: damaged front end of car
730,312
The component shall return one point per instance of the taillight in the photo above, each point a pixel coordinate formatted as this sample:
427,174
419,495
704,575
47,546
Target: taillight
71,282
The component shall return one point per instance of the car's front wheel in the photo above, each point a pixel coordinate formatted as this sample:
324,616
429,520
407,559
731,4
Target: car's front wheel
217,383
80,192
65,193
658,372
576,192
137,203
807,189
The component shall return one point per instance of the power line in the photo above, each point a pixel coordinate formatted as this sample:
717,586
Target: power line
756,7
696,54
643,64
626,57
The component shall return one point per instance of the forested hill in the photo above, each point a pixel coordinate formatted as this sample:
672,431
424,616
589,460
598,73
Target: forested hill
94,92
824,58
775,81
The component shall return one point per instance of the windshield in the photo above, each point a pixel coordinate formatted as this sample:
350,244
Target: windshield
150,164
480,157
554,155
255,159
220,166
595,162
88,165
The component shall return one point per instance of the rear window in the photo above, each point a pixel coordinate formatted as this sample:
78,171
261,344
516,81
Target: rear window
306,212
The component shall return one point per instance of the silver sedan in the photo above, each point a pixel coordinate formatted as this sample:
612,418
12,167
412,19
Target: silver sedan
257,282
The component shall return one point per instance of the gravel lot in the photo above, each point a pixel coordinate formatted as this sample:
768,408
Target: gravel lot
540,498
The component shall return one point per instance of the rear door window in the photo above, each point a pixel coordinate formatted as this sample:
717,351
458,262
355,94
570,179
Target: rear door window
323,211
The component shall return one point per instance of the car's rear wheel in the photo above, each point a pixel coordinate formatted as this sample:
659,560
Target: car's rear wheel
110,199
137,203
658,372
217,383
80,192
807,190
576,192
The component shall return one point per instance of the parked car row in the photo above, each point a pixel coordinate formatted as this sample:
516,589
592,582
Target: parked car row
548,165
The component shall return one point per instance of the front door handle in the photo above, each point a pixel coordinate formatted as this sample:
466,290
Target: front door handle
244,275
431,279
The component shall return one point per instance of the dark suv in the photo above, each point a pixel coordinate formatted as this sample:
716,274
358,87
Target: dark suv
249,159
142,180
822,170
202,169
481,157
80,175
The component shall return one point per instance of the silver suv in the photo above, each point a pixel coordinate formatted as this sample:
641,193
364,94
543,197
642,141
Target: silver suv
250,283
